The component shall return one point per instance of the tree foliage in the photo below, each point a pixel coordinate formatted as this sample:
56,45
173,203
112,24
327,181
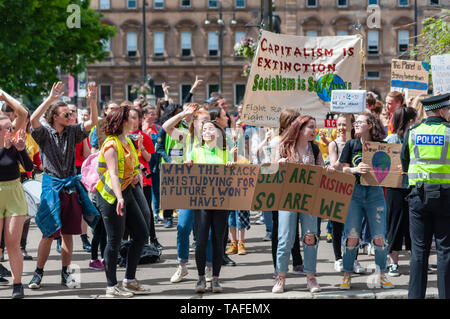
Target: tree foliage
36,42
434,38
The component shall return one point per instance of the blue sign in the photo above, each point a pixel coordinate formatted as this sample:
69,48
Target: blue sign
412,85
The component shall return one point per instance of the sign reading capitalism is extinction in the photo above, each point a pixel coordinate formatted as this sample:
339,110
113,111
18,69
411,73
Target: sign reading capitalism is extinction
299,72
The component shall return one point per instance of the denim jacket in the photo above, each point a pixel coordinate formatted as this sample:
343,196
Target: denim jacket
48,217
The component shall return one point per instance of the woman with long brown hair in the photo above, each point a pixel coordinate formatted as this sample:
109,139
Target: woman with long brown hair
297,146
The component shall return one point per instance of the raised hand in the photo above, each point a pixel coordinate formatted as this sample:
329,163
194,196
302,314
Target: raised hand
196,83
57,91
165,88
19,141
91,92
7,141
191,108
2,96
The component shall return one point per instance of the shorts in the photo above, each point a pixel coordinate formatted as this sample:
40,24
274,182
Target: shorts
71,214
12,199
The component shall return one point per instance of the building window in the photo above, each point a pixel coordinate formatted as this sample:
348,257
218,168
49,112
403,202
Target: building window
104,5
132,4
372,42
131,43
130,96
186,44
403,40
342,3
212,4
185,3
341,32
239,92
158,4
105,93
240,4
213,43
212,88
238,36
311,3
185,88
106,45
159,92
311,33
434,3
403,3
373,75
158,44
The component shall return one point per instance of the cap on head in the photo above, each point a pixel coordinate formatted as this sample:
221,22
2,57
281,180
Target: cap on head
436,102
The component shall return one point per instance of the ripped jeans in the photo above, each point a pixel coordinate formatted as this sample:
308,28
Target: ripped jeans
366,200
287,228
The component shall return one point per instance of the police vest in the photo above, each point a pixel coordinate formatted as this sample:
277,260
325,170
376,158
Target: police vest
104,186
429,154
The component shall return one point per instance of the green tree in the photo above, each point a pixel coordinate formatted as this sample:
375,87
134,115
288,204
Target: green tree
434,38
36,42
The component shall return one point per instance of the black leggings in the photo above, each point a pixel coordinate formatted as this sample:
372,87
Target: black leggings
150,219
98,240
133,220
217,221
295,251
397,225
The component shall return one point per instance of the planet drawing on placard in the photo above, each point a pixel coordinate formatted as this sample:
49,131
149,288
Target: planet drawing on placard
381,163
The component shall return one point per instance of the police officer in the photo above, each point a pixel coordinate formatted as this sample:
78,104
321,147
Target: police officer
426,157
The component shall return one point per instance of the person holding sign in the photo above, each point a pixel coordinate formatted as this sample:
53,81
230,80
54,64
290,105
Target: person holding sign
121,202
211,151
366,200
426,157
297,146
396,205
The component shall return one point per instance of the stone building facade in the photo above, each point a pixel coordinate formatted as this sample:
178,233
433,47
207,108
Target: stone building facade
180,45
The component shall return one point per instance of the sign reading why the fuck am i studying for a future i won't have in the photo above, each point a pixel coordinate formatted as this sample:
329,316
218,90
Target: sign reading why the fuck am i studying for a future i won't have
291,187
299,72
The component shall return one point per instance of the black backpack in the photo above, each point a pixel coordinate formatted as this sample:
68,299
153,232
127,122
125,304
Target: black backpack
150,254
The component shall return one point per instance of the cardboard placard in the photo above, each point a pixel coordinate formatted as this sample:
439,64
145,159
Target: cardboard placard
207,186
348,101
384,159
440,73
410,77
307,189
299,72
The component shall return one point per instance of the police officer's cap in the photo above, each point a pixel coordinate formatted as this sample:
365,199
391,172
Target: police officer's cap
436,102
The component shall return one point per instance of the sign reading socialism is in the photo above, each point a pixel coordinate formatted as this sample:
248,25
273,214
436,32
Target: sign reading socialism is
410,77
299,72
384,159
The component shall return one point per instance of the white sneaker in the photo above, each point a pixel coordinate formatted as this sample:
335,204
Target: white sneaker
208,274
118,291
338,265
357,268
278,287
370,250
179,274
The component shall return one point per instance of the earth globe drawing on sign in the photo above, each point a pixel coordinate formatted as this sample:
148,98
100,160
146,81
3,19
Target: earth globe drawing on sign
381,163
328,83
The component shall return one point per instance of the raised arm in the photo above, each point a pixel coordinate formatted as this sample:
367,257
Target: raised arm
55,94
92,100
169,125
20,111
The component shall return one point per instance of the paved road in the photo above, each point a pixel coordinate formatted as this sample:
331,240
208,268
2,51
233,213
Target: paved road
250,279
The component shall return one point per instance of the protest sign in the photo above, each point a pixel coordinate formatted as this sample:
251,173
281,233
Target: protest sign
299,72
207,186
410,77
384,159
440,72
348,101
307,189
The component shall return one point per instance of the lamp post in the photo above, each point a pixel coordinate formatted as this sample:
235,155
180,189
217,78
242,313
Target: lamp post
144,44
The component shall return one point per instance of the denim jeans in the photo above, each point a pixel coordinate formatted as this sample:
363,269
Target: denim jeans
268,221
287,223
184,228
234,221
155,177
366,201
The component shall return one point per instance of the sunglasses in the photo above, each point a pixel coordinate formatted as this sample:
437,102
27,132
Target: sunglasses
67,114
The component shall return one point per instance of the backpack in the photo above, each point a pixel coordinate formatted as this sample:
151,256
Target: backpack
150,254
89,175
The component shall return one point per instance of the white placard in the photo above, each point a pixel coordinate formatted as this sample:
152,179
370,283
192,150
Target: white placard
348,101
440,72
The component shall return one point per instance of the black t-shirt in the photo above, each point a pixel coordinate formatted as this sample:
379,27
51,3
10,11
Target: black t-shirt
9,163
352,154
